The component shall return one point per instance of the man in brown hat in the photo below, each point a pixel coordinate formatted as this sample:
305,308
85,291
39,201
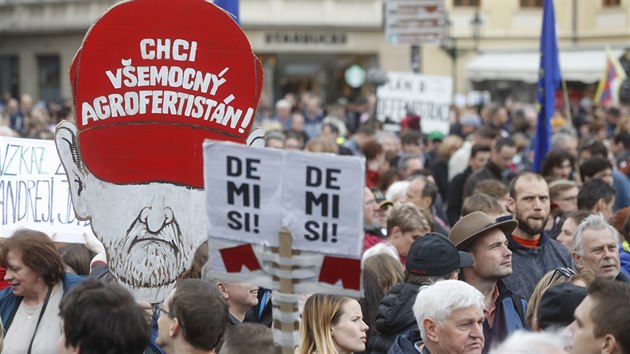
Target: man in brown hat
534,253
487,241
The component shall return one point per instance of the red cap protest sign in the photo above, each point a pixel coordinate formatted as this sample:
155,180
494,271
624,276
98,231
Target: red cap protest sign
152,80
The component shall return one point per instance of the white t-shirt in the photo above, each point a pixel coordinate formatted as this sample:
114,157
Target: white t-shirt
460,160
21,331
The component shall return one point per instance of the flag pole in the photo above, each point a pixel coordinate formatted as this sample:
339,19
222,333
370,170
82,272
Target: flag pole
565,95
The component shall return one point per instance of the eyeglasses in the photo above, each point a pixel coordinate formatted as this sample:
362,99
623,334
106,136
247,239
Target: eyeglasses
565,272
160,309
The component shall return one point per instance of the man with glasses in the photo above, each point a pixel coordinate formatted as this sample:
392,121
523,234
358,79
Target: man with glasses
371,224
192,318
564,195
595,247
486,240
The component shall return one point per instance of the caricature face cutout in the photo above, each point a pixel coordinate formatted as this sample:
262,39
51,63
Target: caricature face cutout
150,231
145,101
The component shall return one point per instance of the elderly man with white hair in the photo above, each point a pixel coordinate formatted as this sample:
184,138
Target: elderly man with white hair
450,317
596,247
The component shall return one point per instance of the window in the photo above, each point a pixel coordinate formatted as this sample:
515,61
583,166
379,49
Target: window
9,77
49,80
531,3
470,3
609,3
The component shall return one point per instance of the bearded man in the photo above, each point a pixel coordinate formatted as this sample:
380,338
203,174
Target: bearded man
534,253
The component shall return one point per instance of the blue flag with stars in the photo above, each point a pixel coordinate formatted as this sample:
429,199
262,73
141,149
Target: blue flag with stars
548,82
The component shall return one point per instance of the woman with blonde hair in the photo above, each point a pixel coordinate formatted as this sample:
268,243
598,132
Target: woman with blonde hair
332,324
554,277
388,270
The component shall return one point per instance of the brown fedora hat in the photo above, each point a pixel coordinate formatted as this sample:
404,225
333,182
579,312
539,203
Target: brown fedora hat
468,228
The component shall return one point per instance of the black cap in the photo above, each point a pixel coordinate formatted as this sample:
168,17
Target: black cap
434,255
558,304
380,198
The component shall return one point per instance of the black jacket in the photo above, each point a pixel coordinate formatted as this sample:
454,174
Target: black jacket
394,317
406,343
455,199
491,171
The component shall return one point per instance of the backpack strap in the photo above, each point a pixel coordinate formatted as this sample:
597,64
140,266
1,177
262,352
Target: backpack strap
520,309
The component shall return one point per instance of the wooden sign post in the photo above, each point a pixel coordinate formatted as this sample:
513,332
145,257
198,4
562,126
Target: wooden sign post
286,287
311,201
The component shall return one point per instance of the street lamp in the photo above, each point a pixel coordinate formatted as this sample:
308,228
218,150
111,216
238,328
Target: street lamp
475,24
451,48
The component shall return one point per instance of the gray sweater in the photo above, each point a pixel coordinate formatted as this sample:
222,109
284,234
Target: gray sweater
530,264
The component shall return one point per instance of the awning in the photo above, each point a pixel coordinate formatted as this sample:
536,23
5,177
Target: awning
584,66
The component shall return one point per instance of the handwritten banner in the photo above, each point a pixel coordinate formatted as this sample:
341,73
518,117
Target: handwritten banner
34,191
255,192
428,96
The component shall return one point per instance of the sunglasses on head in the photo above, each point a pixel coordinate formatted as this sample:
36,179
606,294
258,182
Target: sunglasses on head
565,272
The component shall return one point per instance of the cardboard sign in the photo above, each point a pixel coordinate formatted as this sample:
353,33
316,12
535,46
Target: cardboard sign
428,96
152,80
323,202
34,191
255,192
256,198
315,272
172,74
244,198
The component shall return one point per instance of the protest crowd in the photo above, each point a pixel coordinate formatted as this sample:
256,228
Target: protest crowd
466,249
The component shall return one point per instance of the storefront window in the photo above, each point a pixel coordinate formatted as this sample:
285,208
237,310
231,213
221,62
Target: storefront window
320,74
9,77
48,77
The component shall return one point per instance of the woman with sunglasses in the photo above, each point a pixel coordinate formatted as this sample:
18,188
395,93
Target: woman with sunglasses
554,277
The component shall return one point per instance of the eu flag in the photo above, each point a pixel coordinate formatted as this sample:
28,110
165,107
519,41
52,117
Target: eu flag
548,82
230,6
